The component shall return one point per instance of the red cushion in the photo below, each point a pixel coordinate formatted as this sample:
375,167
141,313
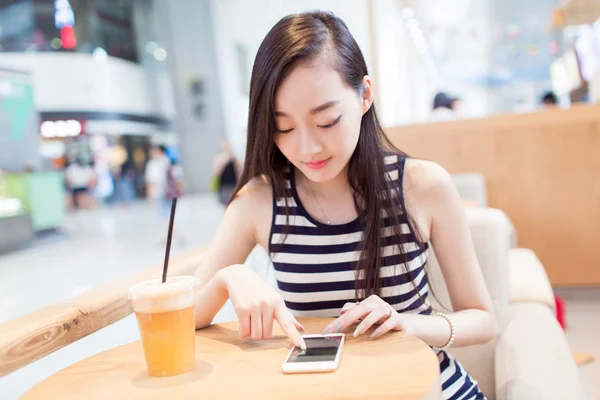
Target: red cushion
560,312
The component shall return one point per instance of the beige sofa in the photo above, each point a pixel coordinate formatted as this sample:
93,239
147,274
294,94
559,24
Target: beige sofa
530,358
528,281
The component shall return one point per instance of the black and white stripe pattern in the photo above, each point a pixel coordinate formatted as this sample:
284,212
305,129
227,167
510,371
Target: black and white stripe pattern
315,268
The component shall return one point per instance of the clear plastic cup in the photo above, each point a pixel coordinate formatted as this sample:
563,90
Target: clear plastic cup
165,315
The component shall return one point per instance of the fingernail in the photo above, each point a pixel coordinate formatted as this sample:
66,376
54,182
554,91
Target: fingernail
337,327
302,329
376,333
357,332
302,344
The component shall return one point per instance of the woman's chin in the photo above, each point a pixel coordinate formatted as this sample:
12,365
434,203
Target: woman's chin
321,175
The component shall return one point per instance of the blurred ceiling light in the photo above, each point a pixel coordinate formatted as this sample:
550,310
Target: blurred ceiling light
416,33
67,128
99,54
63,14
420,42
160,54
55,43
408,13
412,23
151,47
421,49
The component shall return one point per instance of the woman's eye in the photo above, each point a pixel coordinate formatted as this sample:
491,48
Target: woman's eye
331,124
284,131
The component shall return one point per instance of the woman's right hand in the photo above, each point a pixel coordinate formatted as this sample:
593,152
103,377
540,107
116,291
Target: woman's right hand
257,305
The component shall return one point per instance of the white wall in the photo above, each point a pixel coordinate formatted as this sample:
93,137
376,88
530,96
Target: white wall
79,82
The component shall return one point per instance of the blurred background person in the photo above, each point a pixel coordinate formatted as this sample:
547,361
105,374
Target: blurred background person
125,183
80,179
175,181
163,183
549,100
445,108
156,179
226,171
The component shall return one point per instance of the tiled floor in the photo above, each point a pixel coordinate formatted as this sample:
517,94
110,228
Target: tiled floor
98,247
583,332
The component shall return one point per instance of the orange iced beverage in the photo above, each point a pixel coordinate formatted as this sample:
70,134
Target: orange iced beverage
165,315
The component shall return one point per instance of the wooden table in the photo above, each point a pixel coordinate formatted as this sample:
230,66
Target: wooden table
395,366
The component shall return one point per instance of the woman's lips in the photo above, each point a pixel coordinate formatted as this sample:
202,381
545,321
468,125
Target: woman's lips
318,164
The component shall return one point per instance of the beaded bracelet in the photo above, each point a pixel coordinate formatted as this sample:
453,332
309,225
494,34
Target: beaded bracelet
452,331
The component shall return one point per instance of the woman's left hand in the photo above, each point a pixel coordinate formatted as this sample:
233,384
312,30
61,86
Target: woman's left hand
371,311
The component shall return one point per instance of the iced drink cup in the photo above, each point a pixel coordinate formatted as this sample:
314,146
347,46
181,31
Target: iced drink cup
165,315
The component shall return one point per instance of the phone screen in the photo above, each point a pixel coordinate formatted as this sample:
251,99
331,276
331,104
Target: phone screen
317,349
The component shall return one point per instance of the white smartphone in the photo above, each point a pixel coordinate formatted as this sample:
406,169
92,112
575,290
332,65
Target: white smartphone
322,354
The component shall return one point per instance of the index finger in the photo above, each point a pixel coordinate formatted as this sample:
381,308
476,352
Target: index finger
286,322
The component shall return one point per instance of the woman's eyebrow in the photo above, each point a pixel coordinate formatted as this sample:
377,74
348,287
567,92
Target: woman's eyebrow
313,111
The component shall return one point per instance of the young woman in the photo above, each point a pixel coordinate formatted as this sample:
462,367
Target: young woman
346,217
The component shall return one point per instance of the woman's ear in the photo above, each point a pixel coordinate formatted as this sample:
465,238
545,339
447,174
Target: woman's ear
366,93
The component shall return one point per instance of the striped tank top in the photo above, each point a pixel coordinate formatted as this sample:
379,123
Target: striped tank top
314,266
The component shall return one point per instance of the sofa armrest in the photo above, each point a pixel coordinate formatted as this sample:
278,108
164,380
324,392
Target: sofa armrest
490,233
528,281
471,188
533,360
514,238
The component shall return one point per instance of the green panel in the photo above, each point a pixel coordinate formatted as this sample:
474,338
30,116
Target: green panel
19,122
47,202
20,108
15,186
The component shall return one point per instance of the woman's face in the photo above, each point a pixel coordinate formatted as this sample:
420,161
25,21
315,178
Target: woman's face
318,120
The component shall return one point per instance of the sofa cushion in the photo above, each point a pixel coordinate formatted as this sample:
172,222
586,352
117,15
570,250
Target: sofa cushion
533,359
528,281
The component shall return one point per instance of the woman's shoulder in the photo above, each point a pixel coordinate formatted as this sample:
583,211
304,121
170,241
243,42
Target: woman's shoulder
426,181
254,204
257,192
428,191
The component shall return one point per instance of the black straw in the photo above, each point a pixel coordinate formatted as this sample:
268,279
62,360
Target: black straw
169,237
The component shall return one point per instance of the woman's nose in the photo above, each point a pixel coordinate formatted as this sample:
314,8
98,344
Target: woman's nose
309,145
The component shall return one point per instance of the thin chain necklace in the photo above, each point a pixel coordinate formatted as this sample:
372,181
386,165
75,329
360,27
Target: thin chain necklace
317,201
